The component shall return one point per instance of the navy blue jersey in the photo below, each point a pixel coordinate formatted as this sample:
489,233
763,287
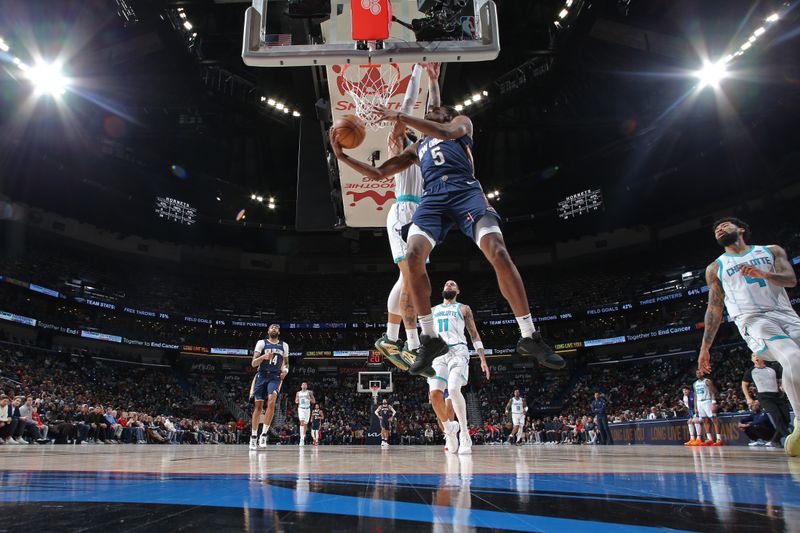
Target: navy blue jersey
385,411
273,364
446,159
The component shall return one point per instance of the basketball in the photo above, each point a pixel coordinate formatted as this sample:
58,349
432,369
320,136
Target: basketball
350,131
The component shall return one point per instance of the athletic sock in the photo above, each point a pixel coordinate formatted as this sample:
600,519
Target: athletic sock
253,435
526,325
412,335
426,322
719,437
392,331
709,436
698,428
691,431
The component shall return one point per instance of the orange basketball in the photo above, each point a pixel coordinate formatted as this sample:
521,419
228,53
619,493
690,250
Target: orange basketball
349,131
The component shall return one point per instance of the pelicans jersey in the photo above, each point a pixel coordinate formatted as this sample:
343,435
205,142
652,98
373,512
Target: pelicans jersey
278,351
449,161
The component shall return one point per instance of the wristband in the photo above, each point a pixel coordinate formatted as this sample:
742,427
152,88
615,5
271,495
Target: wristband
478,345
713,401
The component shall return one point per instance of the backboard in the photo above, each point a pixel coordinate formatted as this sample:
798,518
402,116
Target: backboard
366,379
270,40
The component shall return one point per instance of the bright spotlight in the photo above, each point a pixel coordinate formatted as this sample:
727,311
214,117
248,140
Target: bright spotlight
187,25
295,114
746,45
477,97
711,73
459,107
759,31
3,46
563,14
252,196
259,198
773,18
47,79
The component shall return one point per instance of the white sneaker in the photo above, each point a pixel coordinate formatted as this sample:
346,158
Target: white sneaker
302,443
262,441
464,444
451,441
253,443
384,444
754,443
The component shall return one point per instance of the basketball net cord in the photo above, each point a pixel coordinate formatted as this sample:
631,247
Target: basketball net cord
370,86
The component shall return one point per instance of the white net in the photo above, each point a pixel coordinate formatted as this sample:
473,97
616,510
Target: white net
370,86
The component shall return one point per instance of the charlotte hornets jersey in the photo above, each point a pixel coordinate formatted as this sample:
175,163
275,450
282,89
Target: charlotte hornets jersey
278,351
304,399
747,296
449,323
516,406
702,392
408,184
450,160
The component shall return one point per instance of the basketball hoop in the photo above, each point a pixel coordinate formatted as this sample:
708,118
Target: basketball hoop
375,390
370,85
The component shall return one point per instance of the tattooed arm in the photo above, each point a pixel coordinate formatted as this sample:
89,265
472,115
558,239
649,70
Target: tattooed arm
714,316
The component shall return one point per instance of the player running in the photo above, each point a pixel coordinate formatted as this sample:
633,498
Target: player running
304,398
317,416
271,357
751,282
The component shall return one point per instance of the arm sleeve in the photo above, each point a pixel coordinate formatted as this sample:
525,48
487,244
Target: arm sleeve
778,372
412,91
748,375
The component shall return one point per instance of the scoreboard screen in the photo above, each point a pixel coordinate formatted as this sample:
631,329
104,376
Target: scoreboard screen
175,211
580,204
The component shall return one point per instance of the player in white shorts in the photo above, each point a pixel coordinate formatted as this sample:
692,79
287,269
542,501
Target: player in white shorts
304,398
408,194
705,402
452,369
751,282
517,406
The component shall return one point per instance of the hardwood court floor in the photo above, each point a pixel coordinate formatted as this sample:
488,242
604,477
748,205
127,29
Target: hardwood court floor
344,488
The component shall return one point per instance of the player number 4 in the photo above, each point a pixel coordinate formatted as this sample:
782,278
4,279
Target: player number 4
758,281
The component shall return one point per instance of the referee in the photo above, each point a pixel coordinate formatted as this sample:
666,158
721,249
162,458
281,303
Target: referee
770,394
599,408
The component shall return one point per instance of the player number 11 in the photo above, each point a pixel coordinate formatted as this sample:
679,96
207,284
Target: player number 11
444,324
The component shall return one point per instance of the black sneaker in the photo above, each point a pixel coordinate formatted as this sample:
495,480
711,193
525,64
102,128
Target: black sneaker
536,347
410,356
430,348
391,351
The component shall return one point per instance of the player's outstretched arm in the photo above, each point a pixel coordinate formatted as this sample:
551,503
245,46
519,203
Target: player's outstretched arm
469,321
389,168
713,318
397,135
434,91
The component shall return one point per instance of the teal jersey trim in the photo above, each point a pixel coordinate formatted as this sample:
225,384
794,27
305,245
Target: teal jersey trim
766,249
459,311
409,198
741,254
457,344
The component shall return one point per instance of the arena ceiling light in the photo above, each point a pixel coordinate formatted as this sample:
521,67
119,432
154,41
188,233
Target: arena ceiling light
3,46
47,78
711,74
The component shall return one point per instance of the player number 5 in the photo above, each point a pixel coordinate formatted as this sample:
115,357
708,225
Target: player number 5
437,155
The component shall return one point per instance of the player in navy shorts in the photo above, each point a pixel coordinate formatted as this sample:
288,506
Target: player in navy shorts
271,357
452,196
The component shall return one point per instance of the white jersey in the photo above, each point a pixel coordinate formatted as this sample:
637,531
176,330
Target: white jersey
749,296
449,323
702,391
304,399
516,406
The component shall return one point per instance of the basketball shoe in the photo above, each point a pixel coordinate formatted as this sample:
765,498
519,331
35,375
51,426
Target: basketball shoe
693,442
792,442
451,428
262,440
391,351
708,442
537,348
253,443
429,349
410,356
464,443
719,443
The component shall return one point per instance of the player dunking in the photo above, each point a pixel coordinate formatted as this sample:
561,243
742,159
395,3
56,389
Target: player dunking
271,357
517,406
751,282
385,413
304,398
451,195
317,416
408,192
452,369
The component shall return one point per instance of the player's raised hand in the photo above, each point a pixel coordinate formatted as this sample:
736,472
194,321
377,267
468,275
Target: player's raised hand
486,372
704,361
335,146
384,113
433,70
